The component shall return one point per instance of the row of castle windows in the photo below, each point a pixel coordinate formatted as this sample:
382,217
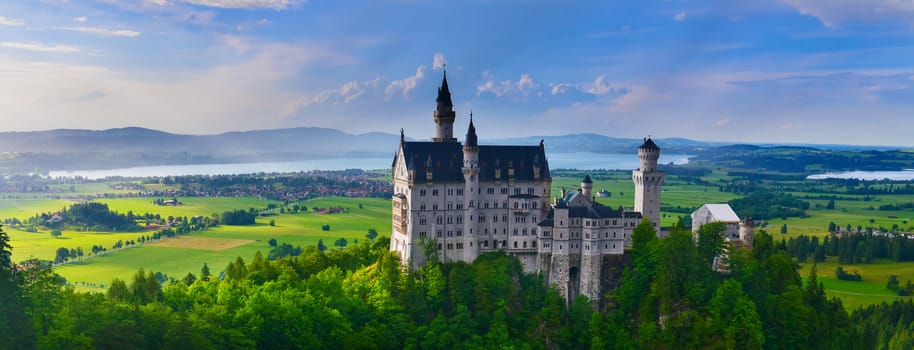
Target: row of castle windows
449,233
525,244
588,223
459,206
605,235
451,246
606,246
491,190
524,232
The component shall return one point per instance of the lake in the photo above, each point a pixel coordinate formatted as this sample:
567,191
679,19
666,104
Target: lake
578,160
902,175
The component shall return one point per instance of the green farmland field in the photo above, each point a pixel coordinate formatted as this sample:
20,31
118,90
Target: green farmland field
296,229
190,206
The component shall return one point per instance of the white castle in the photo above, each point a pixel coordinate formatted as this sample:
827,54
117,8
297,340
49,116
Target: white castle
467,199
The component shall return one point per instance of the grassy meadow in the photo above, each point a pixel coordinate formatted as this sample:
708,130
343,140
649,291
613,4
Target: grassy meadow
871,290
218,246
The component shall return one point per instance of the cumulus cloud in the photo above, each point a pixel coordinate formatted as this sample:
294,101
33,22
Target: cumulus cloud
39,47
11,21
832,13
407,84
103,31
523,86
81,19
440,61
600,86
347,93
560,88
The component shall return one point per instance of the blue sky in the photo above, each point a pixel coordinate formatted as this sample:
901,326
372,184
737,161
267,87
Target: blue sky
805,71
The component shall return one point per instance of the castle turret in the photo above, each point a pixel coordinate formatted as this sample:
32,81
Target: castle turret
587,187
471,194
647,181
444,114
746,232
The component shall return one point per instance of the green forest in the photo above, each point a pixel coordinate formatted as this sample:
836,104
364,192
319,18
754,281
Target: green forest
669,297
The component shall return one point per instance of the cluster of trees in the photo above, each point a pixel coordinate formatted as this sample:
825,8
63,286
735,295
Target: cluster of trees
87,216
239,217
161,201
844,276
669,296
64,254
284,250
761,203
851,248
895,285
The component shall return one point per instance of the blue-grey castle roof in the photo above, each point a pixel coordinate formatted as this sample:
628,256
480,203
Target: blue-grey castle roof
649,144
445,160
595,211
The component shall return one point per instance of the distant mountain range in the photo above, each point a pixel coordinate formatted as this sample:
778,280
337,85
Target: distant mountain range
88,149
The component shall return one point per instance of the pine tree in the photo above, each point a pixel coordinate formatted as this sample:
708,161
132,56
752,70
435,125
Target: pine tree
204,273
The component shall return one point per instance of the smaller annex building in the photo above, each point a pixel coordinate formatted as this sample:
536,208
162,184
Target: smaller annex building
737,231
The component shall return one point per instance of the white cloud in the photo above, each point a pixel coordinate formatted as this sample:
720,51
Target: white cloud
241,4
440,61
103,31
831,13
560,88
81,19
525,82
600,86
347,93
11,21
680,16
39,47
523,86
406,84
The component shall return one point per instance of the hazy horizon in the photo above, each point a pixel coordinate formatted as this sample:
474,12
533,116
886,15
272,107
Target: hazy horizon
779,71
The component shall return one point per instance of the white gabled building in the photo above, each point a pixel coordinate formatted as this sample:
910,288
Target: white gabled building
738,231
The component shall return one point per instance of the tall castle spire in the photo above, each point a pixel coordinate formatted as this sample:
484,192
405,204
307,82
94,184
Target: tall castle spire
471,140
444,114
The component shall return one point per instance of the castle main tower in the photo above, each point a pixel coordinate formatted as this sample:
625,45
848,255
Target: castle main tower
444,114
647,181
